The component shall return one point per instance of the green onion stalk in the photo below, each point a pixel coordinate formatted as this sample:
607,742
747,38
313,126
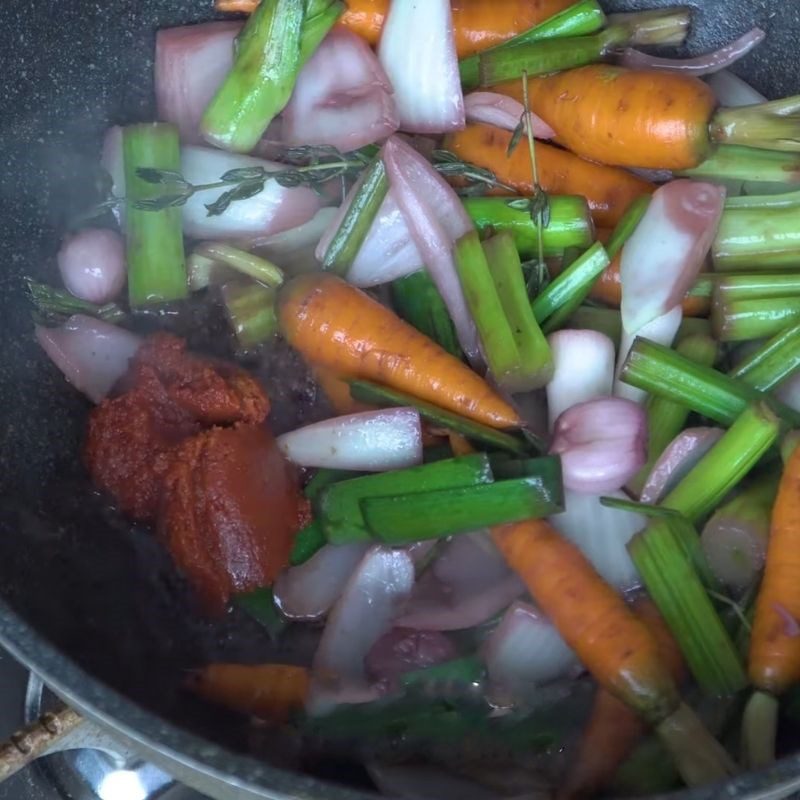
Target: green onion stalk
666,568
562,297
417,300
726,464
582,18
667,418
535,368
743,320
552,55
569,224
773,362
277,39
661,371
154,239
250,309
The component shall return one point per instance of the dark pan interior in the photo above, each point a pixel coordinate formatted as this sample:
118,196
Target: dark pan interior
102,592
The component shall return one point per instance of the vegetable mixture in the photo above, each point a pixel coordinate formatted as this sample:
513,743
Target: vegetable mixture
543,519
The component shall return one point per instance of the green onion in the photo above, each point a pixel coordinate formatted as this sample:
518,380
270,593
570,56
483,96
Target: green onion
324,478
307,542
250,309
417,300
627,225
582,18
406,518
51,302
737,163
535,359
569,225
660,371
374,394
260,605
726,464
263,75
759,728
553,55
368,194
741,320
241,261
666,418
751,286
758,239
665,567
154,239
774,361
338,507
559,301
483,301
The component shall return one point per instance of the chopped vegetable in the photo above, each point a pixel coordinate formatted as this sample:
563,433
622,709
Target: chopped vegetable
337,326
249,264
250,308
742,320
92,265
777,359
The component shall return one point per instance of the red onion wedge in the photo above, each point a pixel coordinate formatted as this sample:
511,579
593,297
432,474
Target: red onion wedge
731,91
403,650
372,441
680,456
698,65
526,650
661,330
602,534
363,613
92,354
342,97
92,264
418,52
584,369
191,64
662,258
736,548
436,219
111,160
602,444
271,211
503,112
307,592
468,584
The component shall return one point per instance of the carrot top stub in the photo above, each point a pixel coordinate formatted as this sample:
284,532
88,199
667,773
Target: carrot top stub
774,663
610,640
624,117
335,325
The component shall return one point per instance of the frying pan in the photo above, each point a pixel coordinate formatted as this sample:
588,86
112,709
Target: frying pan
87,602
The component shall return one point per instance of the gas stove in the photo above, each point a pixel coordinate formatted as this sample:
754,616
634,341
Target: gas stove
106,771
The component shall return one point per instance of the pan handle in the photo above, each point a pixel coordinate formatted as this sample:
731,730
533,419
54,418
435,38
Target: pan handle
37,739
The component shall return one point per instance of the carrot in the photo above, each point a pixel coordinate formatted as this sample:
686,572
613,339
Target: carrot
629,118
478,24
608,190
611,642
337,390
774,663
269,691
608,286
614,729
336,326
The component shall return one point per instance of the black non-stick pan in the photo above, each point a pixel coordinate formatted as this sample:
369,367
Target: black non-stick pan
90,604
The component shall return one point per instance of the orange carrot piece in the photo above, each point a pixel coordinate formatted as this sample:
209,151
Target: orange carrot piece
623,117
335,325
478,24
608,190
611,641
774,663
614,729
269,691
337,390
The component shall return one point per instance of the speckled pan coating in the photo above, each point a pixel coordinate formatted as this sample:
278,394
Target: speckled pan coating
82,582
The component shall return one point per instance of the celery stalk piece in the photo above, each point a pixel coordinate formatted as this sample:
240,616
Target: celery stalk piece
755,286
249,264
535,358
154,238
772,126
742,320
570,223
737,163
580,19
666,569
250,308
775,360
